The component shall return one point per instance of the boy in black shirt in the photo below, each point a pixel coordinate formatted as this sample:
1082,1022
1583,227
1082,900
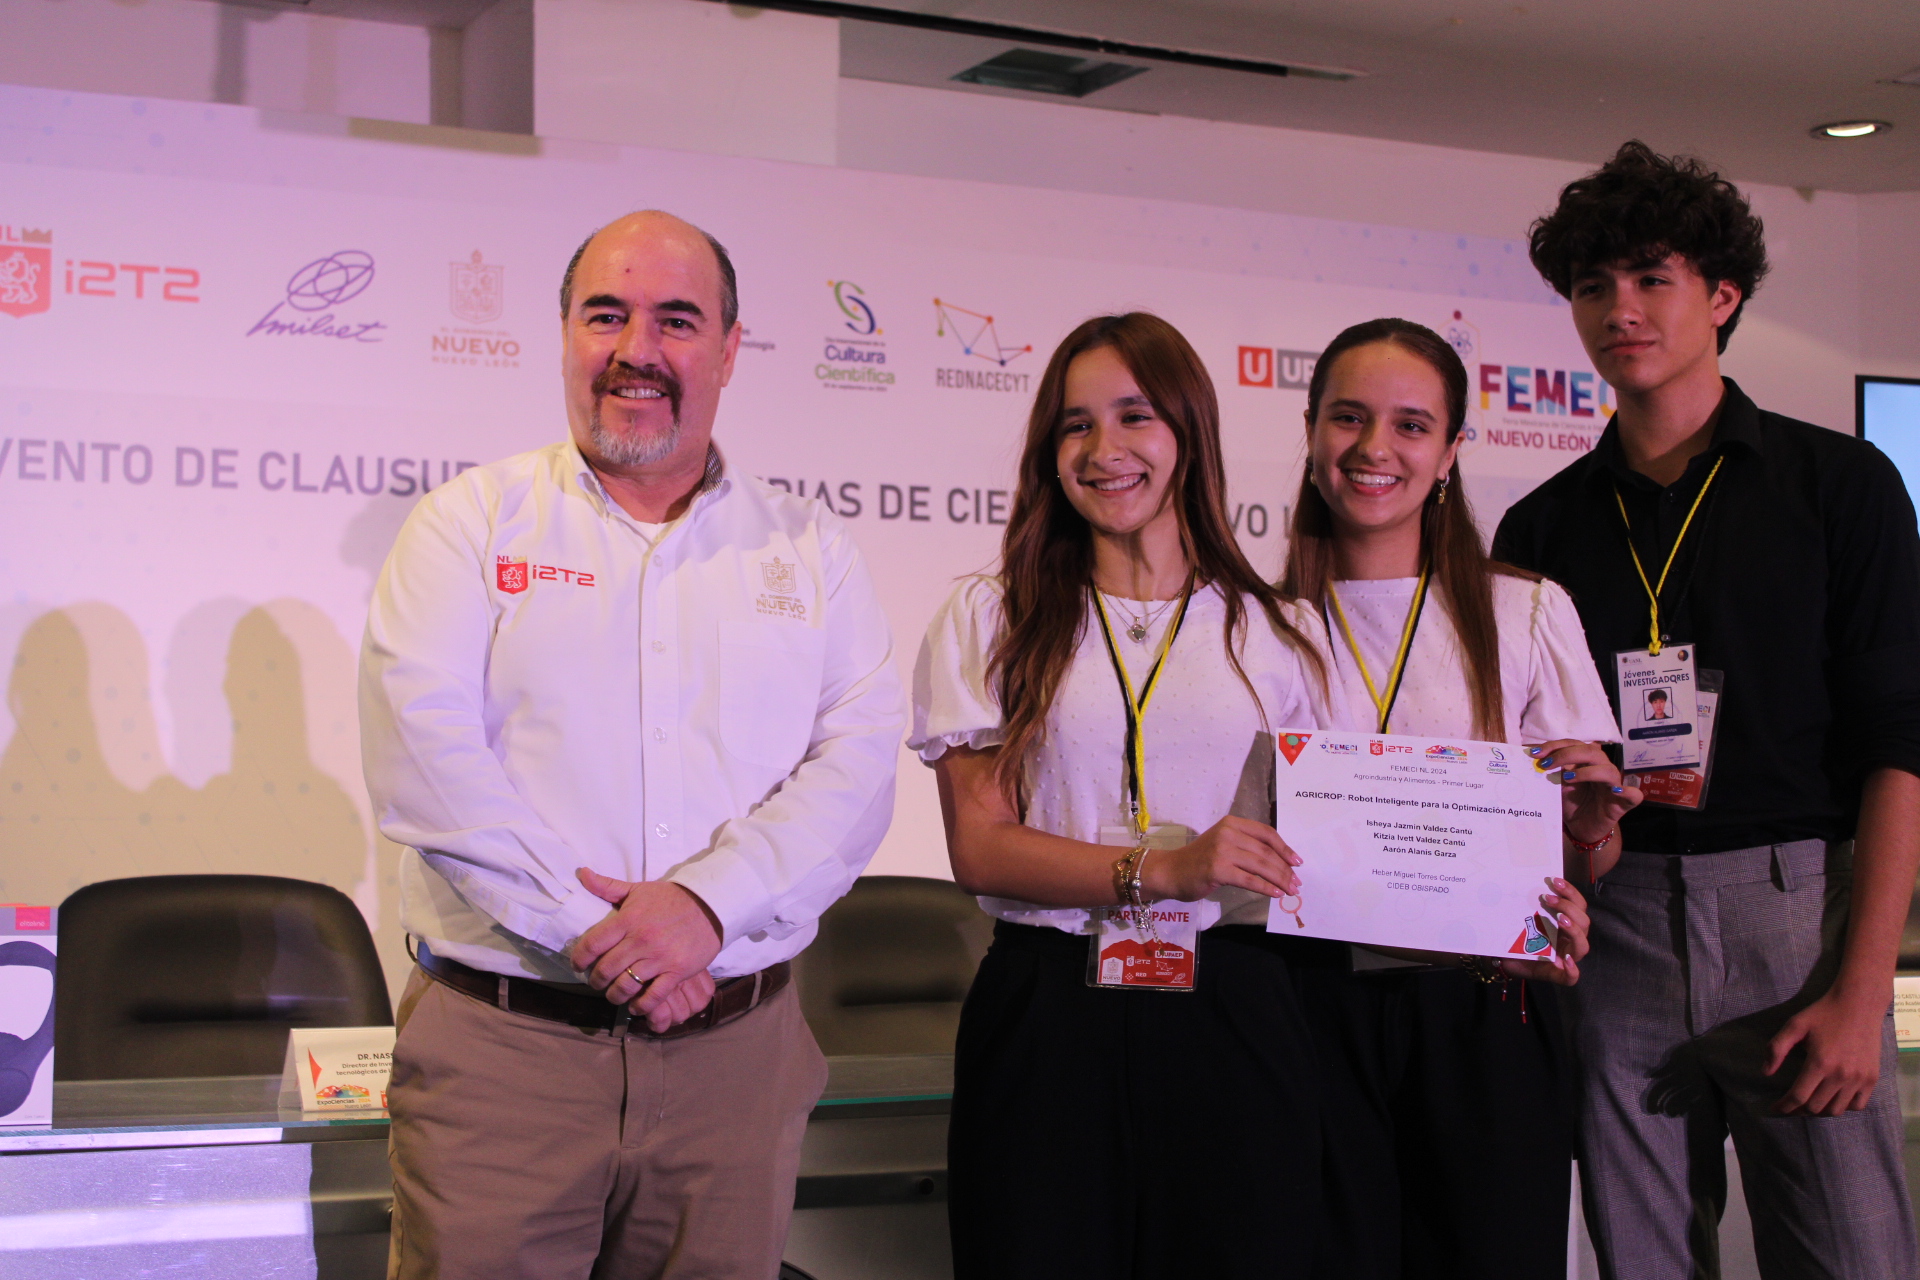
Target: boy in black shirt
1743,952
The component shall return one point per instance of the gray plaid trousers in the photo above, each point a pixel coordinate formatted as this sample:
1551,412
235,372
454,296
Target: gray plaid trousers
1697,962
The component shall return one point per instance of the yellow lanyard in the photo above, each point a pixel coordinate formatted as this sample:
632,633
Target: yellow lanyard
1137,707
1654,639
1383,703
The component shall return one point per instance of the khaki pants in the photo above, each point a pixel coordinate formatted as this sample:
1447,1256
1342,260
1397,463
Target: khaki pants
528,1148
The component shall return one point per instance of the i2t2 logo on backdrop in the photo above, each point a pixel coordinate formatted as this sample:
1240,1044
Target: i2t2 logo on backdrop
26,270
312,294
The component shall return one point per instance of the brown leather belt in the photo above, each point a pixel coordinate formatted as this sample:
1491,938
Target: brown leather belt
732,998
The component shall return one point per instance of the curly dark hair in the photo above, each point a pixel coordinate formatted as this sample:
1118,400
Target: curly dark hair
1641,206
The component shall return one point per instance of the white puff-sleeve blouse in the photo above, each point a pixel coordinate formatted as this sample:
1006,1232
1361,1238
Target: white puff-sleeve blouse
1547,682
1199,727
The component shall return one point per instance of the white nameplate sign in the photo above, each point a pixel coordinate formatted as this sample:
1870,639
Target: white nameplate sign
1906,1012
1434,844
28,949
337,1068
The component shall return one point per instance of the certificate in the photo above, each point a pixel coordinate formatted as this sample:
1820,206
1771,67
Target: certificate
1436,844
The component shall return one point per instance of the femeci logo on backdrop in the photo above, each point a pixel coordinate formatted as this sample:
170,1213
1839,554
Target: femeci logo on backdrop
476,294
978,338
852,355
1525,407
314,296
26,270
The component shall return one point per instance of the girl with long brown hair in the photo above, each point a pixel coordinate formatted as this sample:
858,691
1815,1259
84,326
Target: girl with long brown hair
1448,1124
1087,709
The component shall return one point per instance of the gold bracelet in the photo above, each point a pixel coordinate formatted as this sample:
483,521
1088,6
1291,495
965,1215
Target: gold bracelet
1137,895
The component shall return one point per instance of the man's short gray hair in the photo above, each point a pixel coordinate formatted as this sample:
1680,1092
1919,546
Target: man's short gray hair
729,283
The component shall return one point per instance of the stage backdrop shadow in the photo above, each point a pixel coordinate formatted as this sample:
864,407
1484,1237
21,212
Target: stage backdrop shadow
68,817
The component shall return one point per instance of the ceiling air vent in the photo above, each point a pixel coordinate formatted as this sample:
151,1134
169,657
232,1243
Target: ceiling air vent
1040,72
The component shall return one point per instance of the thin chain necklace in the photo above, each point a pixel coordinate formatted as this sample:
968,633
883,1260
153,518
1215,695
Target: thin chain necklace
1142,620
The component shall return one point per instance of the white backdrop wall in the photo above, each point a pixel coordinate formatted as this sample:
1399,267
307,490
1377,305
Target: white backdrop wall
200,52
207,442
1796,351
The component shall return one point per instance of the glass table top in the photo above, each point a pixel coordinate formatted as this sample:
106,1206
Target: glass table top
247,1108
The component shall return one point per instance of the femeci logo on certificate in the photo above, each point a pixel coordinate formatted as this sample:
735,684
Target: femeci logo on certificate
1435,844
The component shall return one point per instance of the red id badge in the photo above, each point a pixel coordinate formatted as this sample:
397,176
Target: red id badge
1127,953
1156,953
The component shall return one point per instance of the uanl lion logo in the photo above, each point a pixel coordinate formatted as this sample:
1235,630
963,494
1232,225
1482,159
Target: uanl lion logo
26,270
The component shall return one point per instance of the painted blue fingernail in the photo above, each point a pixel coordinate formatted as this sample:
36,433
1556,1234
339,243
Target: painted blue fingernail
1547,763
1533,751
1619,791
1568,776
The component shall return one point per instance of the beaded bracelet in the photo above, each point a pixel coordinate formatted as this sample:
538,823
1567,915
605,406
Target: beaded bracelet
1596,846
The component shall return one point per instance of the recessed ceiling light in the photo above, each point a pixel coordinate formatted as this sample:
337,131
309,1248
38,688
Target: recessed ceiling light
1850,128
1039,72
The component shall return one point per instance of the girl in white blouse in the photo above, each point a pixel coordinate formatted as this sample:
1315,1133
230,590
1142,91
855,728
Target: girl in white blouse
1447,1115
1103,1131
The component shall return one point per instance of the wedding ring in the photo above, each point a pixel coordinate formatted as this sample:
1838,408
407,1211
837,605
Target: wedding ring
636,977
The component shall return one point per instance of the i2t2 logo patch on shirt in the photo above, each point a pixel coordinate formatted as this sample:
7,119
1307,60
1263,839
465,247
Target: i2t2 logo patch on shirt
514,576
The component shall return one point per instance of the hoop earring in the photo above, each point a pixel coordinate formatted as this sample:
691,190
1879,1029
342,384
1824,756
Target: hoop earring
1441,500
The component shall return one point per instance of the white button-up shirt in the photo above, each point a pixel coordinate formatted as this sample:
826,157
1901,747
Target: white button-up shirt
546,684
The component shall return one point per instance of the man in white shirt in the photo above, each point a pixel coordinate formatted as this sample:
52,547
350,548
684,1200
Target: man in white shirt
636,719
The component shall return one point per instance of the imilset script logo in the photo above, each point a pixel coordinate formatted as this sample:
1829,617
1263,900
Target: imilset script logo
312,294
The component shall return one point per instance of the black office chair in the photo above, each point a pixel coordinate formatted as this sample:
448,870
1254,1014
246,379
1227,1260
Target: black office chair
168,976
892,963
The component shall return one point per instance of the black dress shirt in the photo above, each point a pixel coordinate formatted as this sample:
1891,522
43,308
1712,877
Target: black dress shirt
1799,580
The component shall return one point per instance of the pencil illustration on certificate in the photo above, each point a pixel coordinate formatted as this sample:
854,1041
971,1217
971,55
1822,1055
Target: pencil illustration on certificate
1434,844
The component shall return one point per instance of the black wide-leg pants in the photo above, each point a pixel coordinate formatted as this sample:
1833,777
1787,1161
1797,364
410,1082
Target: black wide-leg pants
1112,1134
1448,1122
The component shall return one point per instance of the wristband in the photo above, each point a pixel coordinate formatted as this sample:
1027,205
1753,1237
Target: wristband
1596,846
